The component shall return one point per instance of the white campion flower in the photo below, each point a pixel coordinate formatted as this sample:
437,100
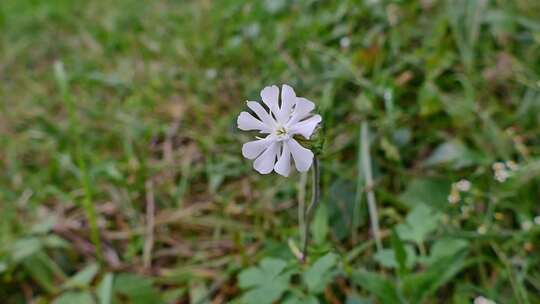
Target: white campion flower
283,120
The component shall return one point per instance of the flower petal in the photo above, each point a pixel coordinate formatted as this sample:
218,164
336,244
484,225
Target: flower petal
305,127
283,165
270,97
262,114
302,157
288,99
247,122
252,149
301,110
265,162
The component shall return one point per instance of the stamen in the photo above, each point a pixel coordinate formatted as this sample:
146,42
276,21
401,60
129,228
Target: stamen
281,131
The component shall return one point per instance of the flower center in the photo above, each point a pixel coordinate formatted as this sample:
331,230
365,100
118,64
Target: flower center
281,133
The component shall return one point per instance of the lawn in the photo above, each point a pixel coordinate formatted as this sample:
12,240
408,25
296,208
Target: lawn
122,178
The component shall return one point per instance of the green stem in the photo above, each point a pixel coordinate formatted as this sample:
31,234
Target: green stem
302,205
77,153
315,198
89,207
372,204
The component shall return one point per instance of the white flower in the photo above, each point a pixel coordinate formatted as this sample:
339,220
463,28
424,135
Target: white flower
501,176
283,120
345,42
483,300
482,229
501,173
454,197
527,225
497,166
463,185
511,165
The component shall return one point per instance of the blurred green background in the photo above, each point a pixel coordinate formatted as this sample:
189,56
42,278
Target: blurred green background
109,109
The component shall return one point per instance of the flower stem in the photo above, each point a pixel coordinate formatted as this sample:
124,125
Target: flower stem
315,197
372,204
302,205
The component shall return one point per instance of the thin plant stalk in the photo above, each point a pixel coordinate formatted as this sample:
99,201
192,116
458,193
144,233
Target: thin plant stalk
315,198
77,153
302,205
150,224
368,176
358,197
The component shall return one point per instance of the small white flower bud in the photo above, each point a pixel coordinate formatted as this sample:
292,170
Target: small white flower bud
483,300
482,229
498,166
511,165
345,42
501,175
526,226
454,197
463,185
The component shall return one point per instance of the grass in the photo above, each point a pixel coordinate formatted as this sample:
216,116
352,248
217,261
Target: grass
448,88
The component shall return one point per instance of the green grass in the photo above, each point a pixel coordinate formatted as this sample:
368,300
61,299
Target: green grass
448,88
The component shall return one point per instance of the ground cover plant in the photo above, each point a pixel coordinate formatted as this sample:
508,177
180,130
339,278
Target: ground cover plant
122,178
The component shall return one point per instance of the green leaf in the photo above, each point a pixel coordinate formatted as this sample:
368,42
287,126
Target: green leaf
72,297
3,267
421,285
445,153
54,241
297,299
269,269
429,99
341,207
399,252
83,278
138,289
320,274
387,257
421,221
273,267
319,228
264,294
376,284
453,153
390,150
251,277
45,225
264,284
431,192
61,77
446,247
198,292
355,299
24,248
105,289
173,295
40,271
